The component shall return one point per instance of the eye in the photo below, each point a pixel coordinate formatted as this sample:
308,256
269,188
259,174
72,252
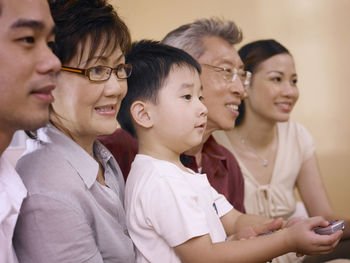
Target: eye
28,40
98,70
187,97
294,82
277,79
201,98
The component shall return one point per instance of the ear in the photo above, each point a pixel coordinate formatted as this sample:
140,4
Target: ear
139,111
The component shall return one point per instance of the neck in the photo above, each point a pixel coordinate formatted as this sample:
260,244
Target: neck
197,150
259,134
84,141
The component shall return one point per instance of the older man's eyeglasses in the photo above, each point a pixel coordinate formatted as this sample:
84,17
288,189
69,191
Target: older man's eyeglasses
102,73
232,74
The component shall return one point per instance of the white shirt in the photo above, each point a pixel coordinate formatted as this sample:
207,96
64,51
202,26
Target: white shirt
12,193
166,206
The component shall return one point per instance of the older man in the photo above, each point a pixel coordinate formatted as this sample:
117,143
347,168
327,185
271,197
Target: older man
211,42
27,70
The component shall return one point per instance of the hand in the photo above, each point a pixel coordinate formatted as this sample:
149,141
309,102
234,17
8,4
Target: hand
292,221
306,241
257,229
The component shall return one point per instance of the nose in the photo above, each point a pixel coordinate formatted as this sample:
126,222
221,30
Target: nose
290,90
48,61
203,111
115,87
237,87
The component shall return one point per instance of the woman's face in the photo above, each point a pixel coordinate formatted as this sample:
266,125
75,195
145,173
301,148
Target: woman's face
86,108
273,92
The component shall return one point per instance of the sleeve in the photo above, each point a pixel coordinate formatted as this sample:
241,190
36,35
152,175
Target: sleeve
306,142
222,205
49,230
173,210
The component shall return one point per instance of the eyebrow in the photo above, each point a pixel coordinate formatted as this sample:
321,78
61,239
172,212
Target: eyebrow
28,23
187,85
103,58
34,24
280,72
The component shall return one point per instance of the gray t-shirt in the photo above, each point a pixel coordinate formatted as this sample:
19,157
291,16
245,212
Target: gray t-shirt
68,216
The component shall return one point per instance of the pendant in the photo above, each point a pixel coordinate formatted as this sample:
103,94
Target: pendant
265,163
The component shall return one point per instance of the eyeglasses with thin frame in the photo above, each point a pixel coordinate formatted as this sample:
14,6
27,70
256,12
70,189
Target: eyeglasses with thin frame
102,73
231,74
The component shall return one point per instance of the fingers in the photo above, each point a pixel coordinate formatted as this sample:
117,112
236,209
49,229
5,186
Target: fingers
317,221
269,226
293,220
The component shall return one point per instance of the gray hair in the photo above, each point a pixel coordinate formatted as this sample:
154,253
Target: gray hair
189,37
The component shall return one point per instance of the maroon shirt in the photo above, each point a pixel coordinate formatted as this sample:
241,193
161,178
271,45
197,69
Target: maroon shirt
221,167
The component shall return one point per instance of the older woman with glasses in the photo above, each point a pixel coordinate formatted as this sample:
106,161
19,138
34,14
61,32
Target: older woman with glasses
74,209
275,154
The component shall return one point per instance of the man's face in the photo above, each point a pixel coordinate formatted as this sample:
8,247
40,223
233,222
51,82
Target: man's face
221,96
27,64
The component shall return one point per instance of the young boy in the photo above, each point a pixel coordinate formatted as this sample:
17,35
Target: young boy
173,214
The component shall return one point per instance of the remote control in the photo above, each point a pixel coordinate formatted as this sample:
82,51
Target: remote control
333,226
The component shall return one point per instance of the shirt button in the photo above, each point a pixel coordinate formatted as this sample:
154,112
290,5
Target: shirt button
126,232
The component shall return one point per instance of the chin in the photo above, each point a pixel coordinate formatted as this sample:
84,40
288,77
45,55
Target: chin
226,126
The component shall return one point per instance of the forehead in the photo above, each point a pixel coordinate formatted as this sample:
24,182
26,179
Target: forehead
280,62
181,77
14,11
86,55
219,51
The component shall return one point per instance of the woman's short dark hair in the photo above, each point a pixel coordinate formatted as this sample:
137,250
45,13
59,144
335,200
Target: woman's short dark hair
78,21
252,55
151,64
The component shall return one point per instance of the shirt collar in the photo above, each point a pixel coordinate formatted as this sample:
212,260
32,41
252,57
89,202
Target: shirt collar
212,158
11,184
81,161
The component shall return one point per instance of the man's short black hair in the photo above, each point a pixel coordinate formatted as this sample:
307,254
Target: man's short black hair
151,63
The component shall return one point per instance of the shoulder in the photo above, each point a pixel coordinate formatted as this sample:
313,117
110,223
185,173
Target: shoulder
294,130
218,151
119,142
44,169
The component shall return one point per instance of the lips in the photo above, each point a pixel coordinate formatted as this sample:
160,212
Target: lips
284,106
233,108
109,109
202,125
44,93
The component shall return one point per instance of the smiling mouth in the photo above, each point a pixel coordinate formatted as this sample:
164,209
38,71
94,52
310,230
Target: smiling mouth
232,107
106,108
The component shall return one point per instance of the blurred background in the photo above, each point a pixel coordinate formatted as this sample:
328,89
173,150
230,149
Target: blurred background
316,32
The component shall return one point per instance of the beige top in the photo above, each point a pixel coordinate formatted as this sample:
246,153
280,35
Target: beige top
276,199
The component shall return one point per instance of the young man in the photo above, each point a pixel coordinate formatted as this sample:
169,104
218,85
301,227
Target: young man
27,70
173,214
210,42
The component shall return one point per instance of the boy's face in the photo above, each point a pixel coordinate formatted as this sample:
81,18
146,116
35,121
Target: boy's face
179,116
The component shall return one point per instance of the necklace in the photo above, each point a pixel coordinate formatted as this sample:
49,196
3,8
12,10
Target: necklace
265,162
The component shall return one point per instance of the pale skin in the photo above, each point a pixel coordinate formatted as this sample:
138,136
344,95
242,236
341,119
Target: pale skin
79,102
276,78
161,141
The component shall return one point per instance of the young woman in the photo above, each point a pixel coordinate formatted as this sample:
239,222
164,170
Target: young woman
74,209
274,153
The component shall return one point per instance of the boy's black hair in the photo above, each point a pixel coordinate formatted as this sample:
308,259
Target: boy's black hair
151,63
